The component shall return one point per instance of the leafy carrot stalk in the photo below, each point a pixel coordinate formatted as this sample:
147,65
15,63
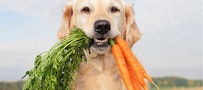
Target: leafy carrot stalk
134,63
120,61
56,69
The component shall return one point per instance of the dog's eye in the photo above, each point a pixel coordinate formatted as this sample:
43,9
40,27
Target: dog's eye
85,9
114,9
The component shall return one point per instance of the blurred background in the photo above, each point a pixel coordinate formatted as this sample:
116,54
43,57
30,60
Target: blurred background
170,48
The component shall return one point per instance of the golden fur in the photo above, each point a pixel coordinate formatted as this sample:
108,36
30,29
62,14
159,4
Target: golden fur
100,71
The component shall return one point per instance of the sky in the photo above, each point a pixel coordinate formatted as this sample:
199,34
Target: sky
171,43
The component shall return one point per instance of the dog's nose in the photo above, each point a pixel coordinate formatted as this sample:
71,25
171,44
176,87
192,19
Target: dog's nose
102,26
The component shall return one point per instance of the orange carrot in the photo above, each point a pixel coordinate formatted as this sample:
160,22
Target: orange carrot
135,71
132,60
133,78
120,61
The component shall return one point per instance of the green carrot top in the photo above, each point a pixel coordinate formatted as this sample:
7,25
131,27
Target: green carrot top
56,69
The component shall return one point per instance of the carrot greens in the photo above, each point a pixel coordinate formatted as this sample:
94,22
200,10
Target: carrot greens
56,69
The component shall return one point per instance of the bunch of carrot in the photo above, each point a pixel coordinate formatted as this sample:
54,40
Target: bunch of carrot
131,70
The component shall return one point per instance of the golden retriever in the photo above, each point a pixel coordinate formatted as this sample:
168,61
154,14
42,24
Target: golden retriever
100,20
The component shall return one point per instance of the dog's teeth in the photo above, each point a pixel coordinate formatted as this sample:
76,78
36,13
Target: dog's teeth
101,41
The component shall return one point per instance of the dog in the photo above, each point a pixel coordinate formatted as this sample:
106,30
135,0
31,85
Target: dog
100,20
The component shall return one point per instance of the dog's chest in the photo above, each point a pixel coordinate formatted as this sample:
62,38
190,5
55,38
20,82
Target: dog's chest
90,77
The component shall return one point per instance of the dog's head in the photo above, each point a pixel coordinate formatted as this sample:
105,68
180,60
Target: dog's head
101,20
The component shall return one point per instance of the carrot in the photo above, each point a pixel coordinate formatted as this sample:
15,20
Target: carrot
120,61
132,60
134,64
133,78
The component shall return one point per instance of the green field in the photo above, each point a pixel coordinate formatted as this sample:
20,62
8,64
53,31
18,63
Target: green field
177,83
180,88
164,83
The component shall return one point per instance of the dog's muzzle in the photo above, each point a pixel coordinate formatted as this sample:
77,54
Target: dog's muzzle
101,27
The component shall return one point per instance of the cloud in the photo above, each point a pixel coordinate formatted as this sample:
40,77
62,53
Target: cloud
159,14
28,30
22,53
24,47
171,35
49,10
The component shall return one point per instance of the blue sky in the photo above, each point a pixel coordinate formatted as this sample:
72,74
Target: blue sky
171,44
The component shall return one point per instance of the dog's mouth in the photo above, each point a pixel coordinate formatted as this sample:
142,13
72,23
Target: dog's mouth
100,41
100,45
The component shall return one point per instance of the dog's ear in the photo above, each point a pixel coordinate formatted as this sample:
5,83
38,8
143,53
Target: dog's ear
132,34
66,23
